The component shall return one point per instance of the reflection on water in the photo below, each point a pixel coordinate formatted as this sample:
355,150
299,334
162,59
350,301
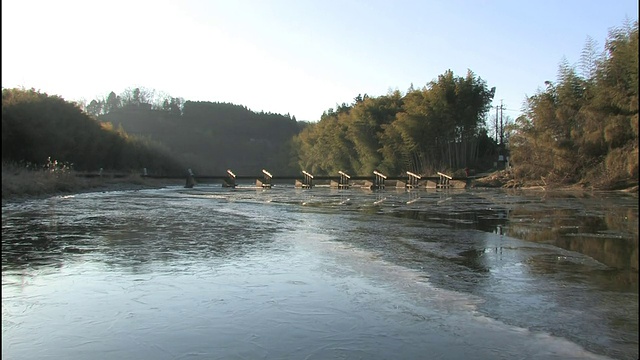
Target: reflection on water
321,273
595,226
611,238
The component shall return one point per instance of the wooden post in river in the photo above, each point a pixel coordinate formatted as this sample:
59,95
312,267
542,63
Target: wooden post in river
191,181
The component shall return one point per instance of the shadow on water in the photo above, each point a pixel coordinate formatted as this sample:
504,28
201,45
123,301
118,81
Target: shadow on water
33,239
126,234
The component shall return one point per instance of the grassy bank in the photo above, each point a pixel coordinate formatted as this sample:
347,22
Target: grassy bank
22,183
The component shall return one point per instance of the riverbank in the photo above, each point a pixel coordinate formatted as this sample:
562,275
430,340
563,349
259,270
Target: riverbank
21,184
506,179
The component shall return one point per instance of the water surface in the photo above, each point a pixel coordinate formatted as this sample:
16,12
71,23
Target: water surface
244,273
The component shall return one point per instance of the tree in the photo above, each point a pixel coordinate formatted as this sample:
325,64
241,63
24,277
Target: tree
113,102
590,59
95,108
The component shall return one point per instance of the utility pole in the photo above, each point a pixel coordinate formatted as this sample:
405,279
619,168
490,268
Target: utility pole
501,124
496,127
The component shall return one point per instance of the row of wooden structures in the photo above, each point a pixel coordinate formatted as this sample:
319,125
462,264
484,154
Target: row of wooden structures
341,181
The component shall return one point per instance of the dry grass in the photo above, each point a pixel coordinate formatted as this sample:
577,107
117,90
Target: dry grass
509,179
19,183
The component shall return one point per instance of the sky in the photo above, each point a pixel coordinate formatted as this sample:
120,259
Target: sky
297,57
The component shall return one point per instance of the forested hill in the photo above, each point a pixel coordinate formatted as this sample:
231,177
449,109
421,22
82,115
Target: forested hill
38,130
211,137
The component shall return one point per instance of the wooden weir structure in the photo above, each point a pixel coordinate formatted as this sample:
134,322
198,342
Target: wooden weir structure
307,181
344,180
230,181
267,180
413,180
378,180
445,180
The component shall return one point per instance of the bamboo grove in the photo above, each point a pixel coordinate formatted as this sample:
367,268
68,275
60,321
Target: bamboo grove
584,127
436,128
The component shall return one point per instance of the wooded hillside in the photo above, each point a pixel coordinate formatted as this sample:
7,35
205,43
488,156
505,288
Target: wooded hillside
212,137
38,129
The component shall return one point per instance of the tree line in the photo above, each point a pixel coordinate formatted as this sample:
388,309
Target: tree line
134,97
138,129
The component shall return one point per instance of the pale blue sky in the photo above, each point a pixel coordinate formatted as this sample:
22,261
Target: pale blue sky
300,57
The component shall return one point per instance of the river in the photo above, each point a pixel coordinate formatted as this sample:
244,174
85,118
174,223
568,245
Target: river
285,273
